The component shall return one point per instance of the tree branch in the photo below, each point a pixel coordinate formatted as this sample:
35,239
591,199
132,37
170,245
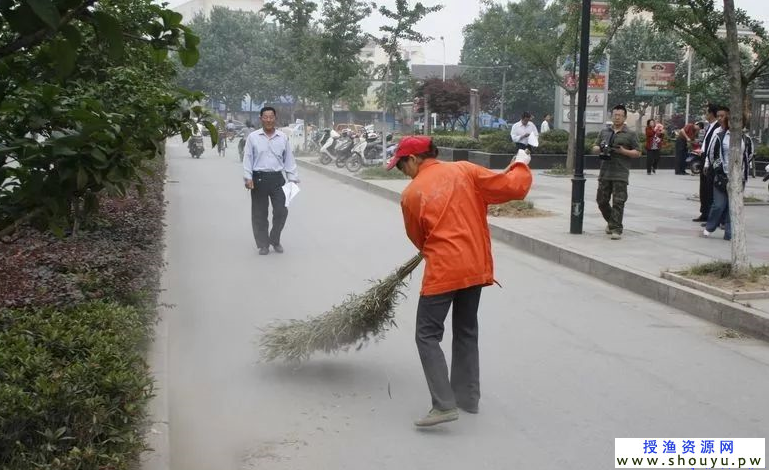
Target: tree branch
37,37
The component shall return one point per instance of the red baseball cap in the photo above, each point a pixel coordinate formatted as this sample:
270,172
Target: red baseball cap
410,145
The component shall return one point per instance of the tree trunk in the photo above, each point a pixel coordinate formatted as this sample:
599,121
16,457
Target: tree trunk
571,150
740,261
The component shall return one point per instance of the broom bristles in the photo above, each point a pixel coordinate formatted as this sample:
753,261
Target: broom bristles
355,321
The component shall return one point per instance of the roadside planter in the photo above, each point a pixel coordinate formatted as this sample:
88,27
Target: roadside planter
449,154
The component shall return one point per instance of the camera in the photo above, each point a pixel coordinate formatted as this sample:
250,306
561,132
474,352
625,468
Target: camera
605,153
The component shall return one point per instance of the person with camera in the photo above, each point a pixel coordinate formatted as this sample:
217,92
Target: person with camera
615,145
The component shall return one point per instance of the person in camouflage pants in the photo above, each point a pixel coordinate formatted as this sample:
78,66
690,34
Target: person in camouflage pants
620,145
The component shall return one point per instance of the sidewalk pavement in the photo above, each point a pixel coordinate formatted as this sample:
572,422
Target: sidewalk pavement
659,235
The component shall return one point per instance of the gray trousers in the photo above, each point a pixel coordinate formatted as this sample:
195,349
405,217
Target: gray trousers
268,187
463,388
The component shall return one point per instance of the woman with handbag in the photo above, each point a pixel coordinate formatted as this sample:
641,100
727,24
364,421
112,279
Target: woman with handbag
719,155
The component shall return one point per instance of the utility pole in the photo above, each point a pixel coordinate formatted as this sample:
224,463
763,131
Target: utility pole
578,182
384,116
444,58
502,100
690,55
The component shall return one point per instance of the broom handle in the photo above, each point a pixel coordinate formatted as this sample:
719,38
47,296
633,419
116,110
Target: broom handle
410,265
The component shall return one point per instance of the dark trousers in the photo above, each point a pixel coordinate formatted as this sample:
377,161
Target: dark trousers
463,387
521,146
616,193
268,187
706,192
681,155
652,160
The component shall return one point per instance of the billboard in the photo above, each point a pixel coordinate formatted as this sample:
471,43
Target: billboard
655,78
600,20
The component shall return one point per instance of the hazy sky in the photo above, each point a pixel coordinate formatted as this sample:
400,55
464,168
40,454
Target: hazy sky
458,13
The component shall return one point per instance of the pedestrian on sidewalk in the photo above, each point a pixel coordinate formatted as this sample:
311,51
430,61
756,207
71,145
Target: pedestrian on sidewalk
719,211
654,139
684,138
706,176
524,133
546,126
267,156
617,145
444,212
221,144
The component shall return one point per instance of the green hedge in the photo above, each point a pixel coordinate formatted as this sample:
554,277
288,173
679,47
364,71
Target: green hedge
457,142
762,151
73,386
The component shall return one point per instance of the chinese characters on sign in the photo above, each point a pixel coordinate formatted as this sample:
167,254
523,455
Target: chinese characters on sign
688,446
655,78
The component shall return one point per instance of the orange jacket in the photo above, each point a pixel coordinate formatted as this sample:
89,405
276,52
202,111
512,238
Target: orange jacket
444,210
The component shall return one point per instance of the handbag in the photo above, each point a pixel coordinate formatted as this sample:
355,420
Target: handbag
720,179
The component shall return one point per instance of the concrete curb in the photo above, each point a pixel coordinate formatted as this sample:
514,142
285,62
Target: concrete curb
725,294
157,435
709,307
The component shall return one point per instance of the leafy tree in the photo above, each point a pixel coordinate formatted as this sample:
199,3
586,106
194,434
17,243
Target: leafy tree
486,47
545,35
638,41
87,100
744,58
235,54
450,100
339,71
298,47
394,75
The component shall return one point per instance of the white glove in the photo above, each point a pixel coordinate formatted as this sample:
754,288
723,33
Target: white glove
522,157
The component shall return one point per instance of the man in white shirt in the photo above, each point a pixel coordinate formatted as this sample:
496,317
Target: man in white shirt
266,157
545,127
524,130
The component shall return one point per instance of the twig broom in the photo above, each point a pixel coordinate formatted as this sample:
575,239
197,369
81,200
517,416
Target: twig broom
352,323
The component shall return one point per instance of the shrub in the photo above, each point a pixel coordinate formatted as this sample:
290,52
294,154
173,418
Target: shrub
73,386
556,148
117,259
555,135
762,151
457,142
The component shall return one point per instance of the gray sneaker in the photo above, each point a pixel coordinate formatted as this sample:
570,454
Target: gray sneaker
616,236
436,416
607,230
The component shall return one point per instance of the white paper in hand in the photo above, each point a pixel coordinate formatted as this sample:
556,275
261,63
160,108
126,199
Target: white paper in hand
290,189
534,140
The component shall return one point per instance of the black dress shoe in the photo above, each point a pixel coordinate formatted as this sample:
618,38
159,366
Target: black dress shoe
277,248
700,219
264,251
472,409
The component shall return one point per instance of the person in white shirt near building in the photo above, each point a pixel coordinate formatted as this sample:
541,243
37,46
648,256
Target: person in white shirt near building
545,127
524,133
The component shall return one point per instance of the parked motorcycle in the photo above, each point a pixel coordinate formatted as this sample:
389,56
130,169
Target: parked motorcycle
369,154
694,163
343,148
327,140
195,146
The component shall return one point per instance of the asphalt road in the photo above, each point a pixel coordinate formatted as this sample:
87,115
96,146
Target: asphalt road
568,363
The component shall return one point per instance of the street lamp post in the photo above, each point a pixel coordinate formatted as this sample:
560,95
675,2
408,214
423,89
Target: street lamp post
578,182
690,55
443,41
